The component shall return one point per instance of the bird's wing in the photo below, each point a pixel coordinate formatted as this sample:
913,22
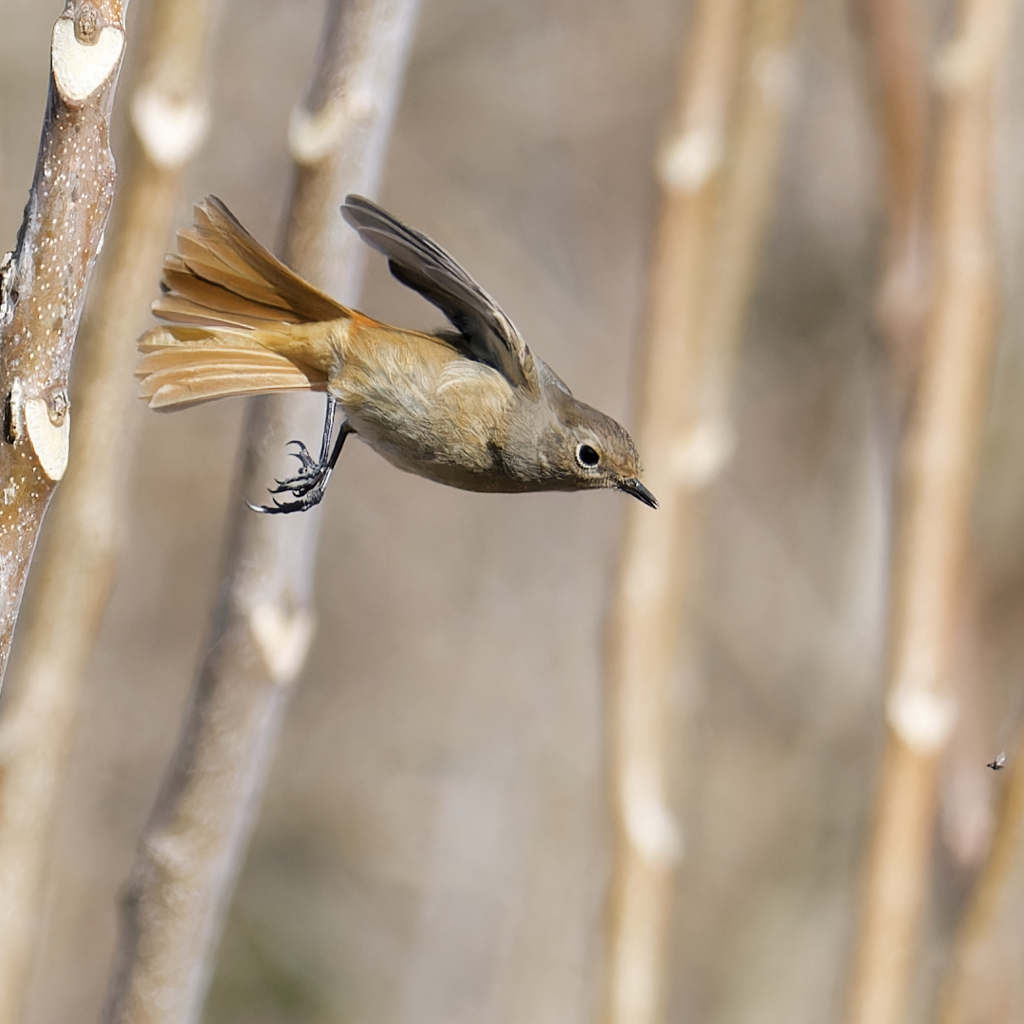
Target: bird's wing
486,334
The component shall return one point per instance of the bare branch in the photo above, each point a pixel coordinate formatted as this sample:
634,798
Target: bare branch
718,175
195,841
936,487
76,563
975,953
44,284
894,33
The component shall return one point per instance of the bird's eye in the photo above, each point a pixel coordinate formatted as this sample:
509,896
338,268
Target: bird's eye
587,456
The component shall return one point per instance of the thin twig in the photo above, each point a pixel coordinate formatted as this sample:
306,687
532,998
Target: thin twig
193,846
76,560
898,75
718,175
42,288
937,481
972,959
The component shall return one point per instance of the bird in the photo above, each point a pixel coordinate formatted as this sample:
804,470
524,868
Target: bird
472,407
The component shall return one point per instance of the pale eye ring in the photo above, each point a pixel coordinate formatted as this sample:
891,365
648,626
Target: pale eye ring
587,456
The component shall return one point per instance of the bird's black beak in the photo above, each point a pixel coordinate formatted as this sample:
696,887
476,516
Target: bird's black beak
637,489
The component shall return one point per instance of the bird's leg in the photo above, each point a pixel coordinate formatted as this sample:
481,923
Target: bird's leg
309,483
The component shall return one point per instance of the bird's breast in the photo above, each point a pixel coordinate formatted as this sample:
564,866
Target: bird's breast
427,409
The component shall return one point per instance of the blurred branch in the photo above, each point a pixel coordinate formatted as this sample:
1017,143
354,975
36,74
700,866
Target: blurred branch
894,32
194,844
42,287
936,487
76,563
718,173
970,974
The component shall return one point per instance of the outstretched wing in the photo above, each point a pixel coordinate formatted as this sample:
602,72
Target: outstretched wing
488,336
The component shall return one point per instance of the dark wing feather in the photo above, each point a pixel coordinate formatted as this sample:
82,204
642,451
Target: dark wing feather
488,335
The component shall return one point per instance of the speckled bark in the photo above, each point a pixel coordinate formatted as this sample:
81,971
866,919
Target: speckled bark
76,561
44,284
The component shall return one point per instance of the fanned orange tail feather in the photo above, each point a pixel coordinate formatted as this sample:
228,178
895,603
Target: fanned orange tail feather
228,304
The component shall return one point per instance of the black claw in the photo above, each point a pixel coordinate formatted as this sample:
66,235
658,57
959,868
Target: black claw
308,485
303,456
302,505
298,484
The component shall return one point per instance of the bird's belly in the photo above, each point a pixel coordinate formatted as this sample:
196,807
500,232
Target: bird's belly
445,425
439,455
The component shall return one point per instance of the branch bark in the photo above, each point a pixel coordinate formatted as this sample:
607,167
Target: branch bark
937,480
43,285
894,32
77,558
193,846
718,173
967,992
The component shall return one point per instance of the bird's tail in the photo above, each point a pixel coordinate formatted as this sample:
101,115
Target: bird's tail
231,310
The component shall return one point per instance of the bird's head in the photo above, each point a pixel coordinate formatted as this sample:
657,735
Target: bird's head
584,449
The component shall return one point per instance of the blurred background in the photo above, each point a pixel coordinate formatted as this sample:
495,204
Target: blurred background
434,844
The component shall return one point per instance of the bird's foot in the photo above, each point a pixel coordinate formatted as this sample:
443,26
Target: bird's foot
302,504
307,486
309,475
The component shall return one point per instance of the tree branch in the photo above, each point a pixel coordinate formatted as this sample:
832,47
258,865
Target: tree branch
718,173
43,285
77,558
938,463
975,958
894,31
194,844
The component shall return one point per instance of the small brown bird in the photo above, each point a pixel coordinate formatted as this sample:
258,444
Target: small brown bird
471,408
